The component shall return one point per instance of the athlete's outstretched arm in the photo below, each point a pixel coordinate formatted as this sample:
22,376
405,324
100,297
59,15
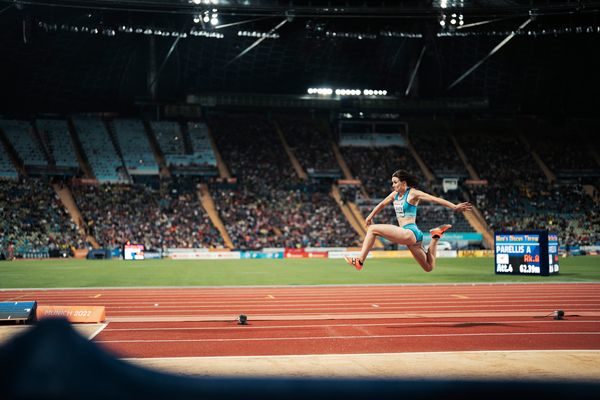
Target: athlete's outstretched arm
460,207
379,207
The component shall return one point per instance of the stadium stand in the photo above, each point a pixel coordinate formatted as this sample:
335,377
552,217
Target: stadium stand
269,206
7,169
266,204
188,223
20,135
437,150
499,156
305,217
518,196
134,145
374,167
170,140
159,219
311,145
55,135
202,151
186,147
34,220
99,149
562,151
562,208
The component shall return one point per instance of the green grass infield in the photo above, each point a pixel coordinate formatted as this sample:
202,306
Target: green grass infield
71,273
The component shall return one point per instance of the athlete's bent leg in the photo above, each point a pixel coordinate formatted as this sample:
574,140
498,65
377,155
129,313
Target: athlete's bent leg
427,259
422,257
432,250
367,244
392,233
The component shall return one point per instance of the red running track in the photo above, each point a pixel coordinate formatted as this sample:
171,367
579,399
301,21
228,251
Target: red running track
195,322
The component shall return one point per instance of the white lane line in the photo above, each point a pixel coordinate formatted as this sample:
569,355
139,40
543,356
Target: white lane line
407,324
349,337
207,303
302,304
347,311
543,310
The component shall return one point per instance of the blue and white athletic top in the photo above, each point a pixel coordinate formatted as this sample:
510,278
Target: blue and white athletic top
402,207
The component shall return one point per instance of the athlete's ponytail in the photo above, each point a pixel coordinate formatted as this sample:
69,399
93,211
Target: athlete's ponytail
404,175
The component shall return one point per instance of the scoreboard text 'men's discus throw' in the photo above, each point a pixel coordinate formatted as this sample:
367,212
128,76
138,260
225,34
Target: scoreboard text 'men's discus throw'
526,253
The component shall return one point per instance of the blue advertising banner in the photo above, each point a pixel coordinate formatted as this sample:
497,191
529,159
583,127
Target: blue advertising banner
261,254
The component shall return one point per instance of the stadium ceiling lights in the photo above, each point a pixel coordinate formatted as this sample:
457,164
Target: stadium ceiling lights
207,16
208,34
452,21
370,92
205,2
346,92
108,31
410,35
255,34
534,33
444,4
320,91
451,16
350,35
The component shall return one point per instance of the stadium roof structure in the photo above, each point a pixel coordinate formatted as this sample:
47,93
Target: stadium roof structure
523,56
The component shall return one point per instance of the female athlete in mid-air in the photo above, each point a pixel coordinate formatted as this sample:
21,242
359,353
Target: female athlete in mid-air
405,199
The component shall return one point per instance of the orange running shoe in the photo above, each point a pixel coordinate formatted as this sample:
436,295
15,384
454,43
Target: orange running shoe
437,232
355,262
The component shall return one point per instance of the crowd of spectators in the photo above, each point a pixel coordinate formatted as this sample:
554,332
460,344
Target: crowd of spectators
310,142
301,217
252,151
565,152
519,197
33,219
374,167
350,193
188,224
562,208
500,158
269,205
158,219
439,153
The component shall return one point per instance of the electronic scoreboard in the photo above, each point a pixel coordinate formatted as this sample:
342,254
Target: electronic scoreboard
526,253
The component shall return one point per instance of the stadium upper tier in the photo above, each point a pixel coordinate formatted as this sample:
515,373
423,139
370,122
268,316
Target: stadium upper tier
21,136
100,151
133,141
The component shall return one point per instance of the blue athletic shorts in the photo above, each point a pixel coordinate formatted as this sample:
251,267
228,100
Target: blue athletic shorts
415,229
